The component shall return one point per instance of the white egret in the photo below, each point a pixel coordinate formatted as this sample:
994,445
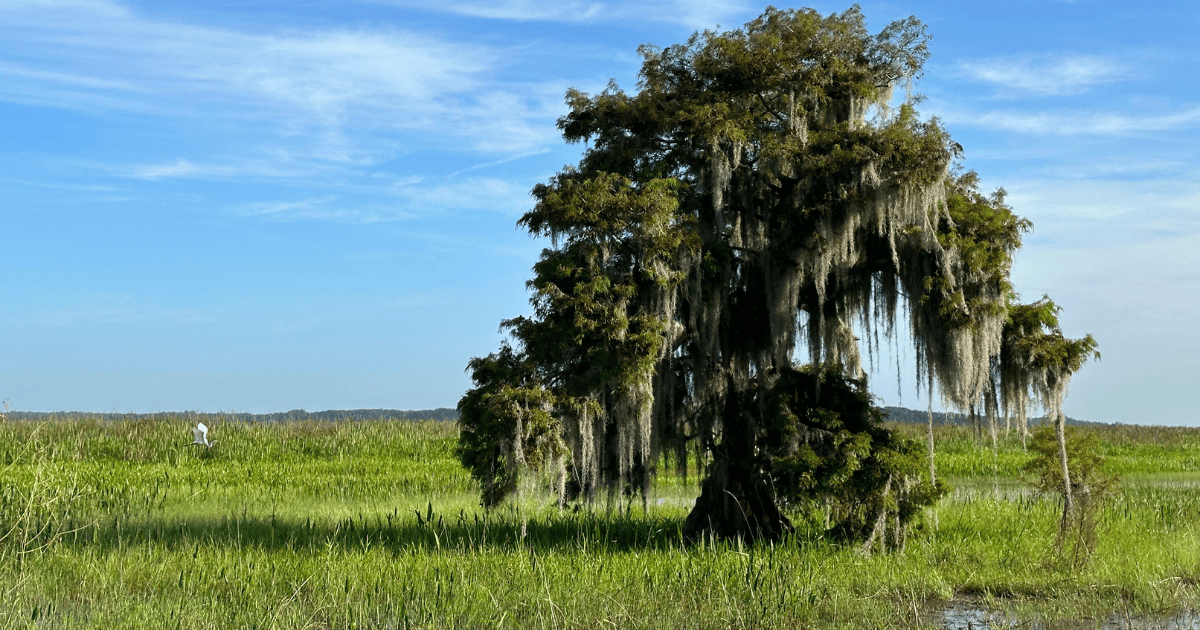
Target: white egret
200,434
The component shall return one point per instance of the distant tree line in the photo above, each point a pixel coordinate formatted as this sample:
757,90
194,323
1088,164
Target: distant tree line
901,414
441,413
445,414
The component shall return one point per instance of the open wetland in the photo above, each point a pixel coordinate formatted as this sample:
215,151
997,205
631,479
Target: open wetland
120,524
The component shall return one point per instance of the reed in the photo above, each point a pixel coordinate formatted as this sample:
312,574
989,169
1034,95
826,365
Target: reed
375,525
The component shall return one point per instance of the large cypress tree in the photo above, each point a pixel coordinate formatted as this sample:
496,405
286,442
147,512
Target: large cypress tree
729,229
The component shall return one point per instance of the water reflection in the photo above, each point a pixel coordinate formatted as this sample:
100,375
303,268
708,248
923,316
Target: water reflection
970,617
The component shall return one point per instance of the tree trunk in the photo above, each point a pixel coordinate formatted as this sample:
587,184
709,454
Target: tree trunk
990,407
736,499
879,530
932,465
736,502
1061,432
929,440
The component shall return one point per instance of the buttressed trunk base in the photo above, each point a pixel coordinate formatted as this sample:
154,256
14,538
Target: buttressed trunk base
736,502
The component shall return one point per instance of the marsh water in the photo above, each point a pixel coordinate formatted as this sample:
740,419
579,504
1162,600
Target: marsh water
970,616
974,615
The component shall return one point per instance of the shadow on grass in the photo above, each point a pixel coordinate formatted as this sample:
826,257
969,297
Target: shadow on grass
396,531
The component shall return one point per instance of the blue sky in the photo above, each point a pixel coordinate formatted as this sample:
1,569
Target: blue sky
261,206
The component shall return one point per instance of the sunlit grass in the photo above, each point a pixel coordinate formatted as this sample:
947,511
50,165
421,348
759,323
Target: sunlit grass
374,525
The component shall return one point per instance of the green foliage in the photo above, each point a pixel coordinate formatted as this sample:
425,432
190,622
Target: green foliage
985,234
826,446
1085,463
507,401
655,306
1036,358
758,184
1091,486
1032,337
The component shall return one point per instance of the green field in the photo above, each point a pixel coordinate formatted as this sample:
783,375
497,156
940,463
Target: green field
123,524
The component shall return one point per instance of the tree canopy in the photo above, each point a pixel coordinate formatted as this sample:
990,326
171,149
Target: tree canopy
736,234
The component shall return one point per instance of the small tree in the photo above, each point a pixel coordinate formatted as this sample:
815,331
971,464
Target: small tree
728,232
1090,485
1037,360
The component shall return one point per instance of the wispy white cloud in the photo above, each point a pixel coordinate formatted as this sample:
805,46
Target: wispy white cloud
481,193
697,14
49,185
335,88
101,308
410,197
65,8
511,158
1122,167
704,14
1069,123
1091,212
328,208
178,168
1050,74
12,71
519,10
323,73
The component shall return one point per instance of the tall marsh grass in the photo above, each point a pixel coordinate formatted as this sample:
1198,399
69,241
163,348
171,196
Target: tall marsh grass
375,525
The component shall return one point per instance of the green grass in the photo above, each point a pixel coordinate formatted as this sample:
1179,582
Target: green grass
374,525
1128,450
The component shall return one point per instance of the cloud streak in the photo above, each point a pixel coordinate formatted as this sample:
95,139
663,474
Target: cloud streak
1075,123
337,88
179,168
1050,75
323,73
98,308
411,197
699,14
1098,212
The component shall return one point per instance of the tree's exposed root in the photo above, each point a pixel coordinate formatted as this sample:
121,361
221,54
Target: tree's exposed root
735,503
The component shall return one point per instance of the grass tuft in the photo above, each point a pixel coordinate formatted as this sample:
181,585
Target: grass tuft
375,525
